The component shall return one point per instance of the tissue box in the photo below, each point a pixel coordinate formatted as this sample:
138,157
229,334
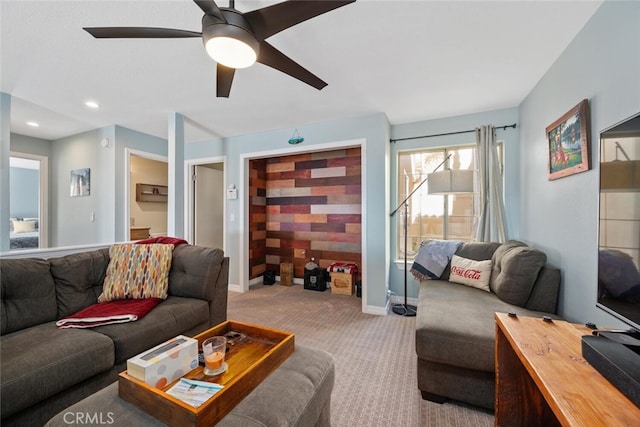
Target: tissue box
166,362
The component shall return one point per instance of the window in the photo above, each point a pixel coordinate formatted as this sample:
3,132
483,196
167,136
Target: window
451,216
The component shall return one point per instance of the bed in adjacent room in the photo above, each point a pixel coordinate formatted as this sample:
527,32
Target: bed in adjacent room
24,233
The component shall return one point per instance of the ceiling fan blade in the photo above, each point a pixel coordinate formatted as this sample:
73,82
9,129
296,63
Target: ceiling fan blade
273,19
210,8
224,78
138,33
272,57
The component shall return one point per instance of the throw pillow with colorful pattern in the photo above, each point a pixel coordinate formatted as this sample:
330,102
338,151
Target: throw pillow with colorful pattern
137,271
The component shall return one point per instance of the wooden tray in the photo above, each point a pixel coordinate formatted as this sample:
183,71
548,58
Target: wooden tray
251,357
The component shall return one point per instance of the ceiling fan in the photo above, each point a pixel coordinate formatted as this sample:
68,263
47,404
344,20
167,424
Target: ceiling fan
237,40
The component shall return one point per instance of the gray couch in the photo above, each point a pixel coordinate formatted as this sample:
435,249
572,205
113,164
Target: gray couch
45,369
455,324
296,394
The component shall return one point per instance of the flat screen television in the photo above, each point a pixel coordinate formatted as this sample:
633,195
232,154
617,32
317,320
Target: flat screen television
616,354
619,227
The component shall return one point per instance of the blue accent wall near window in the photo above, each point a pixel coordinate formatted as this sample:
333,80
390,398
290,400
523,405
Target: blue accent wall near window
23,201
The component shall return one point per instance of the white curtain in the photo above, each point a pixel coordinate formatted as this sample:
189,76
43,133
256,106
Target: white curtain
491,225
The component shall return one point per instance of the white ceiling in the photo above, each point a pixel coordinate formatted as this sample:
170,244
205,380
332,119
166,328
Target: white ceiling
413,60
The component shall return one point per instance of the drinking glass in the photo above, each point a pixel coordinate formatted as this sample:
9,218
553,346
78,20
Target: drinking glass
214,350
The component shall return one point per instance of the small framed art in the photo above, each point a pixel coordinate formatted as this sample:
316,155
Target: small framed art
80,182
568,143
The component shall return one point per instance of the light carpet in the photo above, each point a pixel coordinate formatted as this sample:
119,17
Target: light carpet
374,355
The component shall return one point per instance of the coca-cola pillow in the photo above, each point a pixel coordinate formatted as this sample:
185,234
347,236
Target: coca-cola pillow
471,273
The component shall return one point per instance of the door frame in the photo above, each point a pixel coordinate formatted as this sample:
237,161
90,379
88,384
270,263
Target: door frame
43,196
128,152
189,205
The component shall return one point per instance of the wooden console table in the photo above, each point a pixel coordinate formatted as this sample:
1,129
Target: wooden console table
542,379
139,233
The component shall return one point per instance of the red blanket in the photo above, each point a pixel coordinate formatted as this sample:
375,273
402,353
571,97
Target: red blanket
105,313
175,241
343,267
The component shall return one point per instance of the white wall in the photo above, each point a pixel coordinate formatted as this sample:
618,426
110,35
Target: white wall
561,217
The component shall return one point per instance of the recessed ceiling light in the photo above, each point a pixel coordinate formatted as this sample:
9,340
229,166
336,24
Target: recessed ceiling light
92,104
33,124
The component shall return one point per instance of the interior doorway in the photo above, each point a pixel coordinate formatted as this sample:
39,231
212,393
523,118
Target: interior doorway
28,201
205,206
146,216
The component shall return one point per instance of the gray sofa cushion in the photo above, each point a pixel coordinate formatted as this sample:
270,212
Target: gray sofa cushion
191,265
515,270
28,294
455,324
78,278
304,381
544,296
174,316
43,360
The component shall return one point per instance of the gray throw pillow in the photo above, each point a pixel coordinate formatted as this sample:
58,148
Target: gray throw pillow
515,270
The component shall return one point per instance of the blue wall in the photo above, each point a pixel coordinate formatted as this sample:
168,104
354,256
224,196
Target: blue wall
24,185
561,216
70,222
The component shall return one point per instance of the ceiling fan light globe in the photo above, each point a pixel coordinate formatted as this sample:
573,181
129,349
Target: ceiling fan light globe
231,52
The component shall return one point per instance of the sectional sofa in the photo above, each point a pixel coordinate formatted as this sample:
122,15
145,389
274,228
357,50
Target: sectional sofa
455,323
45,369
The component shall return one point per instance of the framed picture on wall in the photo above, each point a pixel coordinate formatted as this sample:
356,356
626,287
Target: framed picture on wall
568,143
80,183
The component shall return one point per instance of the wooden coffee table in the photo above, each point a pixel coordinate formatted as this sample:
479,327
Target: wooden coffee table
253,353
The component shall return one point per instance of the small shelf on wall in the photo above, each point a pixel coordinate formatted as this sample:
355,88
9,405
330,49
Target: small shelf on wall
620,176
151,193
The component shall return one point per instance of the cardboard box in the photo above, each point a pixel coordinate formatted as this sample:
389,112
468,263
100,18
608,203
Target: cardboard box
342,283
286,274
166,362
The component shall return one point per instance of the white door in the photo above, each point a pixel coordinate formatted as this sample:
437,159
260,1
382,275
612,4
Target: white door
208,206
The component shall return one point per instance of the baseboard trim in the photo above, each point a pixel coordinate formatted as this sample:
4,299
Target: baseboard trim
374,309
235,288
369,309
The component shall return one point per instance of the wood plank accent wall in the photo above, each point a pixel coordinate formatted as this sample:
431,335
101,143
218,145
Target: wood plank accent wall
304,206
